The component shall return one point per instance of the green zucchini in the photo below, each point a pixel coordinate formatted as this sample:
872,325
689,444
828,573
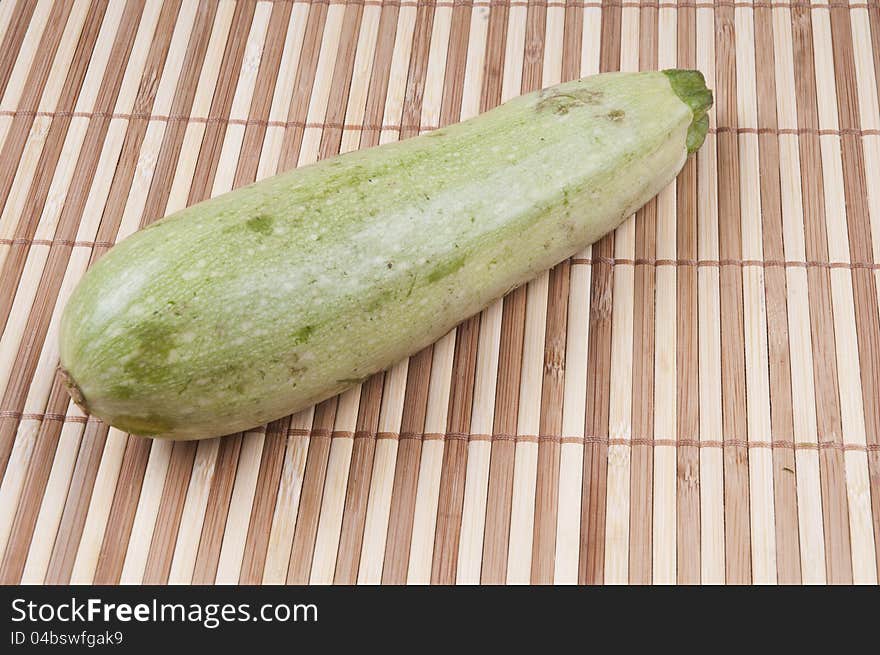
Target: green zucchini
259,302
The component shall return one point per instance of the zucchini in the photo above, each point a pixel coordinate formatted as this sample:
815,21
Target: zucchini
259,302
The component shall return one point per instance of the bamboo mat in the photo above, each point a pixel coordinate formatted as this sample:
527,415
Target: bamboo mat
696,398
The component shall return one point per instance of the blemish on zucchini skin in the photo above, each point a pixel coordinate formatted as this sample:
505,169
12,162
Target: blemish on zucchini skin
172,307
350,382
376,303
155,340
142,426
616,115
446,269
412,285
261,224
589,96
561,103
303,334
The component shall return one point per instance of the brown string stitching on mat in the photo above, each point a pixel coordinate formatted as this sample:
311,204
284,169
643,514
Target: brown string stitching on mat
51,416
791,130
518,438
317,432
592,5
56,242
363,127
207,120
635,441
178,118
410,436
717,263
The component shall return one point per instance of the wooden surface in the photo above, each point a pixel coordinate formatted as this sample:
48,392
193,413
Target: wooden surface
694,399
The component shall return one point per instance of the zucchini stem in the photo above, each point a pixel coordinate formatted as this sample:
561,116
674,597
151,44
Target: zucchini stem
690,87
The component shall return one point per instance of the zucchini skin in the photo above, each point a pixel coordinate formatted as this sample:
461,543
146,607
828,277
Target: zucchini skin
260,302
